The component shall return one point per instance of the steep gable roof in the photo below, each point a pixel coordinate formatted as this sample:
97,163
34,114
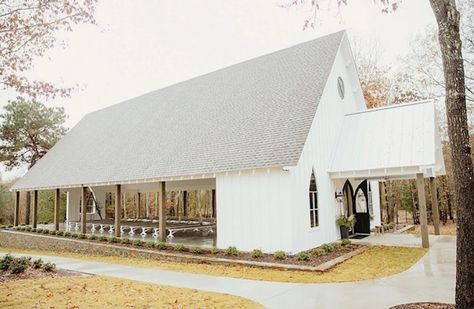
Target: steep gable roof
250,115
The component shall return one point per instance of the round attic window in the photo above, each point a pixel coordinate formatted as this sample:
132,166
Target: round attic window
340,87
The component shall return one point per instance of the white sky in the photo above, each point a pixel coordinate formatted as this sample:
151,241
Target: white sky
140,46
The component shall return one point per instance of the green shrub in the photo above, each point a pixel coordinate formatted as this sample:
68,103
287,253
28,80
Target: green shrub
125,241
150,244
160,245
60,233
256,253
33,230
231,250
302,256
345,242
91,237
10,226
81,236
5,261
67,234
328,247
113,240
49,266
74,235
28,228
318,252
279,255
137,242
195,250
37,263
336,245
215,250
19,265
46,231
180,247
40,230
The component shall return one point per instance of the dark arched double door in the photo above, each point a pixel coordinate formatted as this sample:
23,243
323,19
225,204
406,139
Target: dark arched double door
357,203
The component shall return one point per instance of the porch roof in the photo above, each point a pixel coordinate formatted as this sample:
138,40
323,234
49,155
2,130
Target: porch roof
395,141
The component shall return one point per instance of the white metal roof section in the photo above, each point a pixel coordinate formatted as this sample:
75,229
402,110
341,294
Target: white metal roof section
394,141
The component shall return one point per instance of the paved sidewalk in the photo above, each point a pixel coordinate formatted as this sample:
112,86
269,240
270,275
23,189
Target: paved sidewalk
399,240
431,279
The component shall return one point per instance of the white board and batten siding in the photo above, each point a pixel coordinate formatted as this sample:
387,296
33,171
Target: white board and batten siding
254,210
269,209
318,153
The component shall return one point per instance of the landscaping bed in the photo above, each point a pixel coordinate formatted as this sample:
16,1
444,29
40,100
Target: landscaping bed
21,268
317,259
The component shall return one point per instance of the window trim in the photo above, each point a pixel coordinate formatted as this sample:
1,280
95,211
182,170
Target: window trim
313,201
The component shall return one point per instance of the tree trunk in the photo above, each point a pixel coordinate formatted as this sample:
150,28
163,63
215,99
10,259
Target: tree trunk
448,17
27,208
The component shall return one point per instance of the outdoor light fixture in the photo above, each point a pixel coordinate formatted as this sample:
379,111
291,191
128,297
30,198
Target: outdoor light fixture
338,195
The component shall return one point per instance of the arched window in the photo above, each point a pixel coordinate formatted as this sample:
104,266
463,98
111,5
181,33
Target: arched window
313,202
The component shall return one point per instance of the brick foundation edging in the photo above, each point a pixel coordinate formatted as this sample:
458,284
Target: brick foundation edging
32,241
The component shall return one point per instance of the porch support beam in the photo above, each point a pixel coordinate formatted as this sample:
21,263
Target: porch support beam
16,215
57,199
118,209
162,212
139,205
420,187
434,205
35,208
83,210
185,203
213,202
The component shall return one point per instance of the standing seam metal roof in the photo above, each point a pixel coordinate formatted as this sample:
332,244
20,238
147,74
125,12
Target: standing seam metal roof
250,115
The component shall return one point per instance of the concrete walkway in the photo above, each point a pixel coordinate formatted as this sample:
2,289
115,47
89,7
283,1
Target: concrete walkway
431,279
398,240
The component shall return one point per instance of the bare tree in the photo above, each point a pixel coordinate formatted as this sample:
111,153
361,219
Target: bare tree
27,31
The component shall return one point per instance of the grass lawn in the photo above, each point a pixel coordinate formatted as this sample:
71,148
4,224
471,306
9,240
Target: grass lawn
106,292
373,263
447,229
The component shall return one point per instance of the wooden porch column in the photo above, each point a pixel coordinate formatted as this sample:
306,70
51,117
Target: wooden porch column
162,212
16,214
118,209
35,208
185,204
57,199
434,205
83,210
213,202
139,206
420,187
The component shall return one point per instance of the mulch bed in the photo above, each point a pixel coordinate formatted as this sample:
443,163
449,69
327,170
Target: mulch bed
31,273
424,306
290,260
313,261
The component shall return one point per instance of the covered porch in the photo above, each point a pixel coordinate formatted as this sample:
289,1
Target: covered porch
393,142
174,211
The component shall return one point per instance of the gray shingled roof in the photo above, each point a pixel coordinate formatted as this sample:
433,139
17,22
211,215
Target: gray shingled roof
250,115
